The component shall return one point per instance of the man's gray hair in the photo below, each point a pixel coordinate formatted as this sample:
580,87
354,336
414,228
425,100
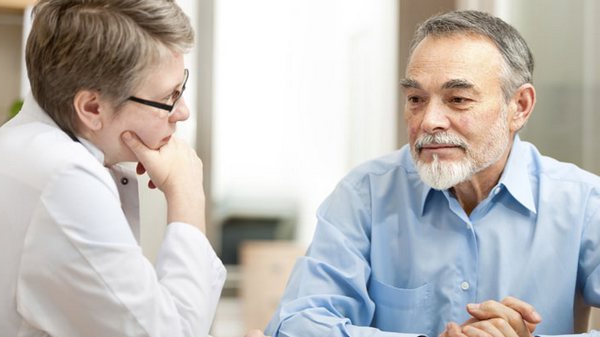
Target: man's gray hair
517,56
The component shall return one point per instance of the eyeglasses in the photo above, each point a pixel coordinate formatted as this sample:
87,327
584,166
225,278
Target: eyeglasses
175,97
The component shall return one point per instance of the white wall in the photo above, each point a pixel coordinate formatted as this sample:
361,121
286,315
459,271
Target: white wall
304,90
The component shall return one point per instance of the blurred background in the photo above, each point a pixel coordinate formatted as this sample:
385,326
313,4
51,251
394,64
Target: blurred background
288,95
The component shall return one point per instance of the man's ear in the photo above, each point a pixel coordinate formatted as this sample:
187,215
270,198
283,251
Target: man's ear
88,107
522,104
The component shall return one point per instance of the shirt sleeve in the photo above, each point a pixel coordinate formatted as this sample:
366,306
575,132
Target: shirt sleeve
592,333
589,257
327,294
83,274
191,279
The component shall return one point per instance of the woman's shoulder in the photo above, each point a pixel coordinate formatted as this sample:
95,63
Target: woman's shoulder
37,151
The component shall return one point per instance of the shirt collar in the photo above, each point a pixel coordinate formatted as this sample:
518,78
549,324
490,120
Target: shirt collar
515,178
32,111
94,150
516,175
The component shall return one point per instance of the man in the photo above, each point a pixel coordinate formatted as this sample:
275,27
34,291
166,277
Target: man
466,213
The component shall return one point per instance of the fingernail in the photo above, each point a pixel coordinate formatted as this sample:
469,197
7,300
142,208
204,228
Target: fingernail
473,306
127,135
536,315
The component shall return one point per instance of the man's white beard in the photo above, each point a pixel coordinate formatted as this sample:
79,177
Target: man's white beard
442,175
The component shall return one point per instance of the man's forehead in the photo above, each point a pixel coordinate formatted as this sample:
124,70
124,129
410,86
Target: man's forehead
454,61
455,48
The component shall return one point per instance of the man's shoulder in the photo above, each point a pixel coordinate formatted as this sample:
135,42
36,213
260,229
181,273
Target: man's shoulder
553,169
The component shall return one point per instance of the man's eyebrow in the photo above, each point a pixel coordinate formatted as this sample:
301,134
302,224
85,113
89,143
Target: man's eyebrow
410,83
458,84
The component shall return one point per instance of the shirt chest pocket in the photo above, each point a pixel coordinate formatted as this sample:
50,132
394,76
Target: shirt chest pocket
400,309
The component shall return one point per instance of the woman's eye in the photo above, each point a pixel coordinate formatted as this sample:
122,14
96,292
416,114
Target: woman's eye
175,95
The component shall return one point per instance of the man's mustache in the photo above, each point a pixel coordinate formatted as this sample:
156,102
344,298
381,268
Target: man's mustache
440,138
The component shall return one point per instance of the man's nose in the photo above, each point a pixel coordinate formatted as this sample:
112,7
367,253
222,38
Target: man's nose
435,117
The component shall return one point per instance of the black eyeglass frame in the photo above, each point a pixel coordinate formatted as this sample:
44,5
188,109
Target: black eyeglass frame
163,106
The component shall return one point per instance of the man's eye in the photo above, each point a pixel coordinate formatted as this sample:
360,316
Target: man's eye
414,99
458,100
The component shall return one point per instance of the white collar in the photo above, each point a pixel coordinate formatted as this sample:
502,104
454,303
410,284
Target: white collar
32,111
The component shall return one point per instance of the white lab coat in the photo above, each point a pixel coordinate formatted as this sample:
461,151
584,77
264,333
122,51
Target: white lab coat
70,262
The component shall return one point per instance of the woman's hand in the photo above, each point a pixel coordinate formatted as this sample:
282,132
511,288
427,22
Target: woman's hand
176,170
255,333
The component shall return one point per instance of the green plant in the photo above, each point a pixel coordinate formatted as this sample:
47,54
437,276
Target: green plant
15,108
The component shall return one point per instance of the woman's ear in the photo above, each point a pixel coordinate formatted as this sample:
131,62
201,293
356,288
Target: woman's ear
523,102
88,107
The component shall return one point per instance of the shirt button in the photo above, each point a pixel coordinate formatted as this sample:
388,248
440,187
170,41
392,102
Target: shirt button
124,181
465,285
497,190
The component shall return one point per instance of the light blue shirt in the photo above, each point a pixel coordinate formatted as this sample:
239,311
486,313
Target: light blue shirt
391,256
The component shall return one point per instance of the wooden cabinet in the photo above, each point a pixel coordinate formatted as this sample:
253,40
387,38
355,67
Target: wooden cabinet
266,267
11,33
14,4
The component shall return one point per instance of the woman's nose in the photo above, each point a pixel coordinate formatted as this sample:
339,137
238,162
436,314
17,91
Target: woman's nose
180,112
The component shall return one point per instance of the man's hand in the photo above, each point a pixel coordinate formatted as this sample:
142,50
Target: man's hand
509,318
516,312
521,316
452,330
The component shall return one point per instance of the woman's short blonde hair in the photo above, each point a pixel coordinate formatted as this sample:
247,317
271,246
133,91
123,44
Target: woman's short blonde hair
107,46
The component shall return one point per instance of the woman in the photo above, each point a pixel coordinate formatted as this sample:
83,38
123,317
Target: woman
106,78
